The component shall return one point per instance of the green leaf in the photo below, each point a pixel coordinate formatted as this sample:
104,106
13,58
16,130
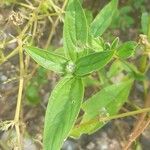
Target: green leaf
89,16
106,102
62,110
103,79
92,62
103,19
47,59
32,94
41,76
115,43
97,44
126,50
75,29
133,71
145,21
115,69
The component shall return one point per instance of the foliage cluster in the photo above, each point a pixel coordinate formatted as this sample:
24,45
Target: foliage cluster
84,53
85,59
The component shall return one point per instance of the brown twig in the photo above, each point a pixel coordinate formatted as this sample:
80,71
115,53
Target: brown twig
141,125
137,133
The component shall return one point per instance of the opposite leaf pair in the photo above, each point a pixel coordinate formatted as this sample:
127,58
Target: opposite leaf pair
66,99
83,66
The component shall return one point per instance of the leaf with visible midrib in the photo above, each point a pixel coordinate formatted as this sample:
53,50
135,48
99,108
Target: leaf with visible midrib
103,19
62,110
126,50
47,59
107,101
92,62
75,28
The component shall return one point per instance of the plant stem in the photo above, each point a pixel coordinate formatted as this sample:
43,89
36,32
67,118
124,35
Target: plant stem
141,124
99,119
14,52
3,145
21,81
142,127
27,6
19,99
126,114
54,27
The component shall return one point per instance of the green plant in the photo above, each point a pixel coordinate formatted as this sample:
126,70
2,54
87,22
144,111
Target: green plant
124,17
34,86
84,53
